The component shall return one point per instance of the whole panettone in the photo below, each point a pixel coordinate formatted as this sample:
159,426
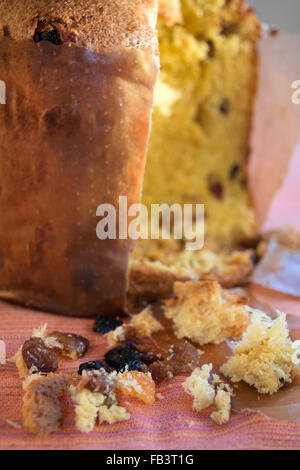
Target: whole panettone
79,78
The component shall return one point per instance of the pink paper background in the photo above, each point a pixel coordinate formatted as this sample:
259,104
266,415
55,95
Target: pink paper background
275,164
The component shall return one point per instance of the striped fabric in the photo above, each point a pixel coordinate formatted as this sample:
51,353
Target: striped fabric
168,424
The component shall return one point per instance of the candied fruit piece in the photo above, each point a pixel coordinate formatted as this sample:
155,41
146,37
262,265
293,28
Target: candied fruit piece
73,346
92,365
120,357
36,355
107,323
160,371
183,357
137,384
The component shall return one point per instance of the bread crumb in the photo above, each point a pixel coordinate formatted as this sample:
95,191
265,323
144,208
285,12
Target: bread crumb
13,424
159,396
223,405
113,414
42,411
92,406
206,313
2,353
199,387
145,323
141,325
265,357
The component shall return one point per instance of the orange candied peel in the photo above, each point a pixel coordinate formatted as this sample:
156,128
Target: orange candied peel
137,384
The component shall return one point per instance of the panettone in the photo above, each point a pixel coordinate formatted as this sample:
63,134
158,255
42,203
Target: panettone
80,78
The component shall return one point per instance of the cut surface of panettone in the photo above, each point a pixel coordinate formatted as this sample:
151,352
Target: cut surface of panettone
156,265
266,357
205,313
205,93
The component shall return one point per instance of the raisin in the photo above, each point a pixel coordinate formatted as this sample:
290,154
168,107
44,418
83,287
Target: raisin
92,365
234,170
46,32
216,188
36,354
183,358
74,346
211,48
120,357
136,364
148,356
225,106
100,382
107,323
227,29
160,371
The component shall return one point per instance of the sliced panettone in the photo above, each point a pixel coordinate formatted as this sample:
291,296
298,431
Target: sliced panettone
205,313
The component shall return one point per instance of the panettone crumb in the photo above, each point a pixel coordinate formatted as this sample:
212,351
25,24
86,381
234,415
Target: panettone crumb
142,325
266,357
159,396
145,323
113,414
223,405
206,394
42,409
12,424
206,313
87,405
199,387
95,399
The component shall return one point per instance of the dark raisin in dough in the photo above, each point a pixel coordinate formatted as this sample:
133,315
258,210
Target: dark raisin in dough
107,323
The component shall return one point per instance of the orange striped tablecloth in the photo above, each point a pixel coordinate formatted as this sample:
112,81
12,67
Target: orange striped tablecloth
168,424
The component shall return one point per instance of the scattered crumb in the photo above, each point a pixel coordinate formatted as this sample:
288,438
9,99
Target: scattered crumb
145,323
191,423
95,400
13,424
42,411
266,357
113,414
206,393
141,325
2,353
199,387
206,313
159,396
223,405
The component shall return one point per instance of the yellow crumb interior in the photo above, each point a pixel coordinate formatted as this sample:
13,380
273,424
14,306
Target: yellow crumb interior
201,120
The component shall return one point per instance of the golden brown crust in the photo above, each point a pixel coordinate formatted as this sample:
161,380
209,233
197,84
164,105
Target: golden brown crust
73,135
170,11
88,23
